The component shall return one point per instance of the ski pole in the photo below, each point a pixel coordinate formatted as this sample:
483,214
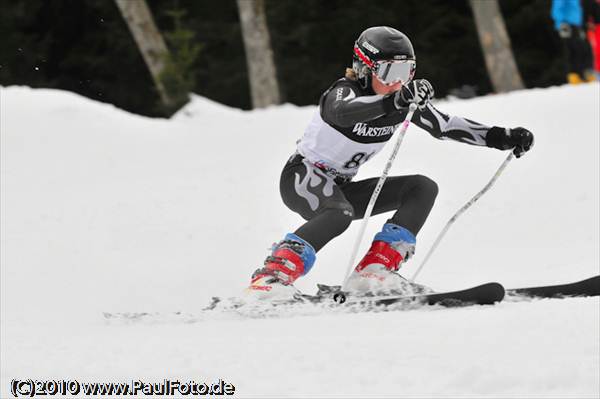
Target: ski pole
460,211
376,191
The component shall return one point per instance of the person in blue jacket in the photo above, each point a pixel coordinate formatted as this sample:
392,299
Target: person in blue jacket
568,21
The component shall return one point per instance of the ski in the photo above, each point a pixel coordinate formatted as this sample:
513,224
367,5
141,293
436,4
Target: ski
485,294
587,287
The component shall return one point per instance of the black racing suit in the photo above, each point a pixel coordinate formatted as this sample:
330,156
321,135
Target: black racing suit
327,197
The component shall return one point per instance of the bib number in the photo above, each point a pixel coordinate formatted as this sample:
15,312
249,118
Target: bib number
358,159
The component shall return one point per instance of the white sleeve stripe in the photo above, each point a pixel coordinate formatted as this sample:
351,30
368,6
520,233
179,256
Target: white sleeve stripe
367,99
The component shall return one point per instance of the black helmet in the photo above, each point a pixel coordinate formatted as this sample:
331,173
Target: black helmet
380,43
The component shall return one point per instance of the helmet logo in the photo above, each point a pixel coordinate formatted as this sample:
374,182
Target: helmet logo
370,47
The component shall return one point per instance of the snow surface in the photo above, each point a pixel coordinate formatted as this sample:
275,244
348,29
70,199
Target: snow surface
105,211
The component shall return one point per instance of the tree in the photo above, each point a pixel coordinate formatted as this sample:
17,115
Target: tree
495,44
150,43
259,54
177,75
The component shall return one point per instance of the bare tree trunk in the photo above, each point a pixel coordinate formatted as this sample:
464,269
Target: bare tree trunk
495,44
149,41
259,54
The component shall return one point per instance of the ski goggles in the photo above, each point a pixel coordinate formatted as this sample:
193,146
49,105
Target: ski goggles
394,71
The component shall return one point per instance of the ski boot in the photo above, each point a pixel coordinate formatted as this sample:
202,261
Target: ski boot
291,258
376,274
590,75
574,78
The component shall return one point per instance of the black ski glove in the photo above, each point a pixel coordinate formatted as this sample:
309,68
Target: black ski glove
519,139
418,91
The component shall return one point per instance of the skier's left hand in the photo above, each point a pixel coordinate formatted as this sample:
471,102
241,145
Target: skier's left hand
521,140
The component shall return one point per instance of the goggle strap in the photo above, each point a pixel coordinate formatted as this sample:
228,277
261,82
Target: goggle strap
363,57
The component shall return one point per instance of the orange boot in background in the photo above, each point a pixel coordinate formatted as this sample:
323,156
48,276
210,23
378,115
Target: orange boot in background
574,78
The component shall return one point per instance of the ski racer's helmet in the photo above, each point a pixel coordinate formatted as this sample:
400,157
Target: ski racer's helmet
385,52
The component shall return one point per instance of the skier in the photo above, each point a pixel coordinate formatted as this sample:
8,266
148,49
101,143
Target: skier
357,115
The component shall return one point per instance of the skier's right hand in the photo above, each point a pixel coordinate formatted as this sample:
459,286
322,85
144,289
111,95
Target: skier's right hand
419,91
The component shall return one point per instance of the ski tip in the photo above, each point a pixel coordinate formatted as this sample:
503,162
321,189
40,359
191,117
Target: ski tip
594,285
484,294
496,291
494,286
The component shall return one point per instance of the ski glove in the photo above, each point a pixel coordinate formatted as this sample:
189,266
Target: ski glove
522,139
519,139
418,91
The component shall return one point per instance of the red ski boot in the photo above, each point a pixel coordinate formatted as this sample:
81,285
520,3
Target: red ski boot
377,272
291,258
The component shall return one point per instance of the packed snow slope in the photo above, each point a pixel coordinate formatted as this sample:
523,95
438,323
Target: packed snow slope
105,211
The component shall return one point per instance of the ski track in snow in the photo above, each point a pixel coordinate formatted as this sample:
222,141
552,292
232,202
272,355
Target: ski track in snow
108,212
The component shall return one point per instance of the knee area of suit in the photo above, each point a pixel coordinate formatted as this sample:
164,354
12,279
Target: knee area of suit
425,185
